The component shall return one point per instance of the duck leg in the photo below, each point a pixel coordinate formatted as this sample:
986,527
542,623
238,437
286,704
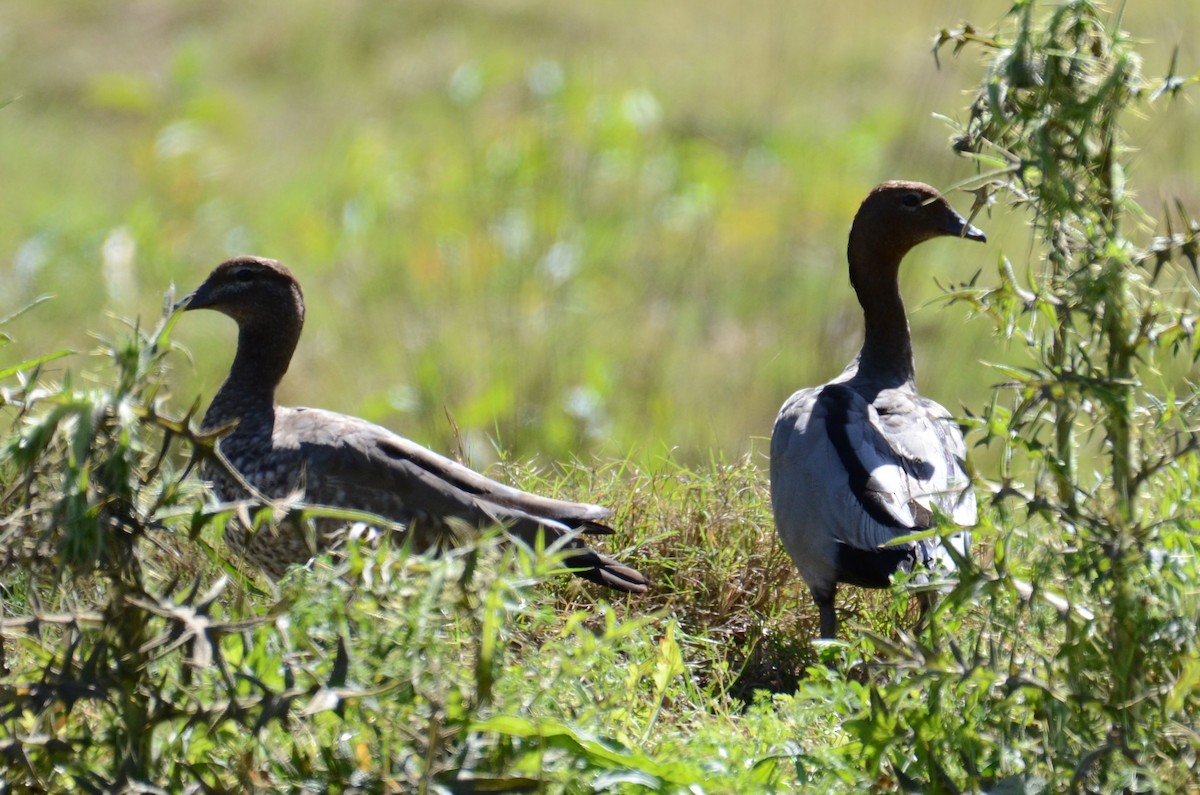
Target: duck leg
824,599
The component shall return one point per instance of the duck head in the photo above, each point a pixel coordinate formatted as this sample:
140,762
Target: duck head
249,289
895,217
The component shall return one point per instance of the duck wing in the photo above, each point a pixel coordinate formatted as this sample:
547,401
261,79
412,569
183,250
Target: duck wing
929,443
350,462
840,466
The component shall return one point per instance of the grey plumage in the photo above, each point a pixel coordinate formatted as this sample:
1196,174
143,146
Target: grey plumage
342,461
865,459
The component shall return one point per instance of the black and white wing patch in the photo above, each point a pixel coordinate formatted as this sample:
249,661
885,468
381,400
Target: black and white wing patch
877,494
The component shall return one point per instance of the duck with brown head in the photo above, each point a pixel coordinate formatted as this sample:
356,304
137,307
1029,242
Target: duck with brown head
864,458
342,461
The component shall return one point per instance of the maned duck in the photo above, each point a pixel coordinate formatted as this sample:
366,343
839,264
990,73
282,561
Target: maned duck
341,461
864,459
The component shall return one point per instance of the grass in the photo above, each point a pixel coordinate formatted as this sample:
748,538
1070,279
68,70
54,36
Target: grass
377,668
581,232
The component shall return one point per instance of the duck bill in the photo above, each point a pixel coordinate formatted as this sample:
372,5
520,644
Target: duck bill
973,233
193,300
958,227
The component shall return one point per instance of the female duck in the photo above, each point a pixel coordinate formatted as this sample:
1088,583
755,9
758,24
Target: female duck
341,461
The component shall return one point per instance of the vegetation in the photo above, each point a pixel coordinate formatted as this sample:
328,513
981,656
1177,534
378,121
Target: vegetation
1082,676
581,230
135,656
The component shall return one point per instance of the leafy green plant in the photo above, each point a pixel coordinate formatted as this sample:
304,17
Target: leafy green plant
137,655
1069,663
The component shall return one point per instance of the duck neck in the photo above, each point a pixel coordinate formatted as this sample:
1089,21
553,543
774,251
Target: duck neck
264,351
887,355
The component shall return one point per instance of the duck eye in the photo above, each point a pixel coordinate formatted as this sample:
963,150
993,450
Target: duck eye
243,274
911,200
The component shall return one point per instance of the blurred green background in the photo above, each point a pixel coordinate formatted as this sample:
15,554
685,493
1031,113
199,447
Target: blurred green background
608,229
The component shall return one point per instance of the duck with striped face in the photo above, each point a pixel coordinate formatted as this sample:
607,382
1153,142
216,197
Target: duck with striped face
346,462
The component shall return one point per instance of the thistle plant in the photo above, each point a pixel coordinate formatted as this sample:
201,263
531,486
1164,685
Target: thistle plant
1069,661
